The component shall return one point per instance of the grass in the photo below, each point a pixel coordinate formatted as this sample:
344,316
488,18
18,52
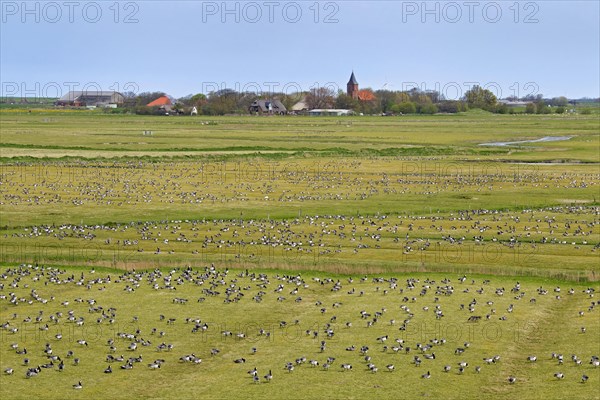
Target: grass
58,133
528,330
404,197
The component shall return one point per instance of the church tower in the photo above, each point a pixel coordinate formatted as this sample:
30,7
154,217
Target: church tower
352,87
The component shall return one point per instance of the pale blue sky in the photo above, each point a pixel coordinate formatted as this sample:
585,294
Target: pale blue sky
182,47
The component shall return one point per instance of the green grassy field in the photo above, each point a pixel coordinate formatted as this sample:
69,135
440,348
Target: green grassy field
309,304
405,197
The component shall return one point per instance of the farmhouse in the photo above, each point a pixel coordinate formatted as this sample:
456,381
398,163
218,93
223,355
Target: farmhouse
301,106
163,103
91,98
267,107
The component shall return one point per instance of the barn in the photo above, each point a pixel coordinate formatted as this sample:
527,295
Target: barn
267,107
163,103
91,98
331,112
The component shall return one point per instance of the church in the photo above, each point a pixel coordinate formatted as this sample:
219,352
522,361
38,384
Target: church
353,91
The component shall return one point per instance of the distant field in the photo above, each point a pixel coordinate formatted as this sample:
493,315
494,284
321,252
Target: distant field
106,135
535,199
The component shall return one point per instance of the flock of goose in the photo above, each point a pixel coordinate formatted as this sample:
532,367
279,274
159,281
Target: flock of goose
485,233
195,183
406,301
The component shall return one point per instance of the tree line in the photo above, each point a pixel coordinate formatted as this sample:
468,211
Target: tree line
414,101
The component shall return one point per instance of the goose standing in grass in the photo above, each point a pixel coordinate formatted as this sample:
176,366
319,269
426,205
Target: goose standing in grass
559,375
8,371
512,379
269,376
584,378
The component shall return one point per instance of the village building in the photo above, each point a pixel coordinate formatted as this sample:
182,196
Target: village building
267,107
91,98
163,103
353,91
352,87
332,112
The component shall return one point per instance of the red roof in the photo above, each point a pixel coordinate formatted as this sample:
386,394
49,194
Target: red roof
366,95
161,101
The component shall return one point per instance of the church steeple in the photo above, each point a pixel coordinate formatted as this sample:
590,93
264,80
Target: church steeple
352,87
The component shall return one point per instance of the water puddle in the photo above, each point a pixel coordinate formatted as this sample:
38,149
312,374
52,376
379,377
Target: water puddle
544,139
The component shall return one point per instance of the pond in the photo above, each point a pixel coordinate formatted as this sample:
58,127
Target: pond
544,139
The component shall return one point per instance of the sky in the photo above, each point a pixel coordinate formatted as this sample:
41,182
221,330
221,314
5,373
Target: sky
185,47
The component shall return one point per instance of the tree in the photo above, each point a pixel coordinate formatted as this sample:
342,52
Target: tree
146,97
477,97
189,101
344,101
501,108
560,101
530,108
542,108
369,107
320,98
221,102
450,106
532,97
288,100
130,100
406,107
428,108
